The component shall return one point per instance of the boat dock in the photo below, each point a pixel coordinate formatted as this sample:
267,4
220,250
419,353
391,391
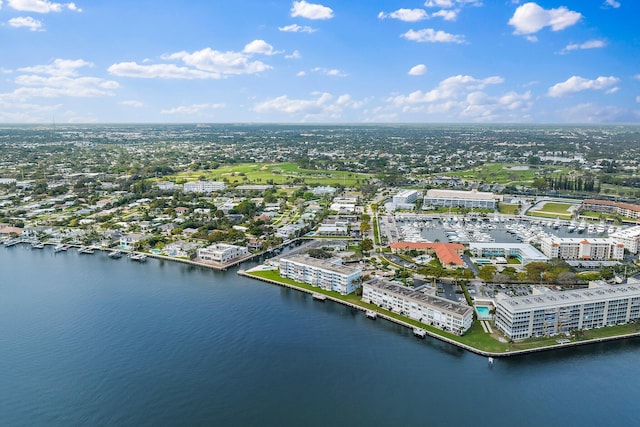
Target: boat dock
319,297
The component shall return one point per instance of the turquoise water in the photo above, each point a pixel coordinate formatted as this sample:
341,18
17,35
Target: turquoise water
483,311
86,340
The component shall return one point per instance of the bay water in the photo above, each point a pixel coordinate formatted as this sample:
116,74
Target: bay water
89,340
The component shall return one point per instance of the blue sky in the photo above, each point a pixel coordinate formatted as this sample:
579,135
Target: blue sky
573,61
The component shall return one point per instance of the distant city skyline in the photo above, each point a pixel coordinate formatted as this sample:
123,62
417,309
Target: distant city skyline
327,61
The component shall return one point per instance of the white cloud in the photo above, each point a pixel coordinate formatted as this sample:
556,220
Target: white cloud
329,72
294,55
447,15
60,78
202,64
418,70
132,103
638,98
590,44
438,3
159,71
26,22
463,97
59,67
611,3
324,105
576,84
432,36
223,63
594,113
449,89
41,6
193,109
310,10
636,76
530,18
259,46
406,15
448,4
295,28
301,73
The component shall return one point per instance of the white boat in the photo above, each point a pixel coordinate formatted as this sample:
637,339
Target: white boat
371,314
571,227
138,257
611,230
60,247
490,360
86,250
581,227
37,245
420,333
591,228
115,254
600,229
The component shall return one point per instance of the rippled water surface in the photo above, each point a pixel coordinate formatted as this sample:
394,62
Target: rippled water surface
88,340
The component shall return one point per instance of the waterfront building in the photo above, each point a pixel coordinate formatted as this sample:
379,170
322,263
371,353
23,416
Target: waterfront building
428,309
203,186
222,253
562,312
629,237
449,254
589,249
462,199
607,206
523,251
328,274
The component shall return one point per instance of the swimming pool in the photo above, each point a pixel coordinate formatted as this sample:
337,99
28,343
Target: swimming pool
484,312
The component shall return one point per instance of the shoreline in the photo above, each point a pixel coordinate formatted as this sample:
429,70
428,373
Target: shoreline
431,334
380,314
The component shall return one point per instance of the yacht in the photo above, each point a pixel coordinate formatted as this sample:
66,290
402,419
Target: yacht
581,227
59,248
571,227
115,254
37,245
138,257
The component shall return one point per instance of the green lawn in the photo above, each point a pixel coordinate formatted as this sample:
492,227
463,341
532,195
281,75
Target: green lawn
276,173
559,208
507,208
505,173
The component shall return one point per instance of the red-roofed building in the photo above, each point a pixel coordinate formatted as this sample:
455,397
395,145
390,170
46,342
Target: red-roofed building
448,253
6,231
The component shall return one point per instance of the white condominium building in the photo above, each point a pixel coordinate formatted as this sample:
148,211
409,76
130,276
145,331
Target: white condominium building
588,249
428,309
523,251
222,253
561,312
329,274
203,186
463,199
629,237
